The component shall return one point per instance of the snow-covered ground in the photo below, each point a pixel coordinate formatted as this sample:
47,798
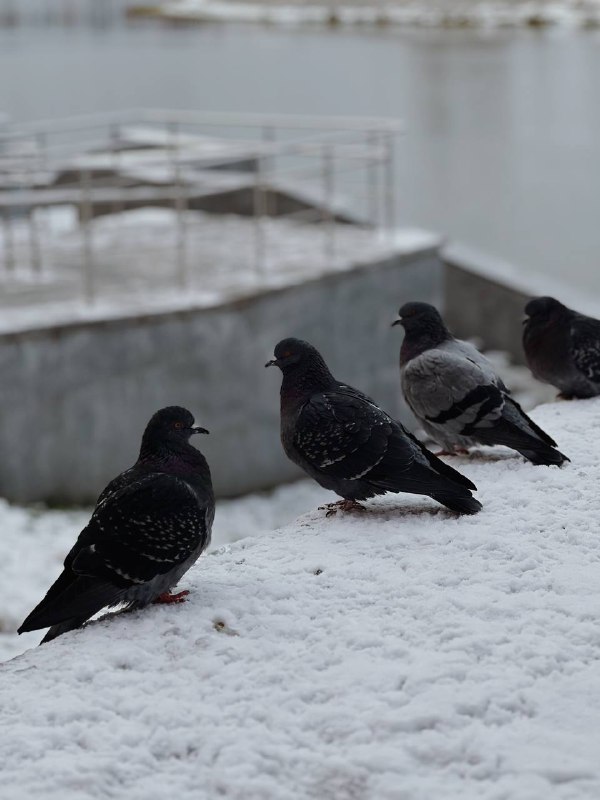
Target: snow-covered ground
426,13
400,654
34,542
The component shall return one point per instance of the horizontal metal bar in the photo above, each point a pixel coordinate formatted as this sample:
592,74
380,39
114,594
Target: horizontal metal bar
212,118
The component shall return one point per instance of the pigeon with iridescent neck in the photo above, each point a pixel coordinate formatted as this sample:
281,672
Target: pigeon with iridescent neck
343,440
149,526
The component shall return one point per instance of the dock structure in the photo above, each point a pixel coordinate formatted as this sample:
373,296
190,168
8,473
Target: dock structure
254,166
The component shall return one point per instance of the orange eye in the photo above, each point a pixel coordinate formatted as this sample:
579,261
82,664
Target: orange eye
178,425
287,354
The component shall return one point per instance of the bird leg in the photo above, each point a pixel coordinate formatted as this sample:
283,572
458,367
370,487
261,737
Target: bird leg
460,451
167,598
341,505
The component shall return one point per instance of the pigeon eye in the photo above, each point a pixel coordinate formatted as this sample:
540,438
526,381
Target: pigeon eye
178,425
287,354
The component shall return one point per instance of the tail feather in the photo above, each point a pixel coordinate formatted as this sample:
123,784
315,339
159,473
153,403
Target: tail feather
83,598
457,503
539,432
513,434
427,475
439,466
542,455
63,627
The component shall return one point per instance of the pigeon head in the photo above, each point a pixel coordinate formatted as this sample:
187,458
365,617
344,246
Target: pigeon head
303,367
419,317
169,429
544,308
293,354
423,327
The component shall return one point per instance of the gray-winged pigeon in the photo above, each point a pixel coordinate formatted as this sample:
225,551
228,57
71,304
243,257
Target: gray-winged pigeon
456,395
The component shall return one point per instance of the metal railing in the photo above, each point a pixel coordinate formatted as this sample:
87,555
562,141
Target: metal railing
289,166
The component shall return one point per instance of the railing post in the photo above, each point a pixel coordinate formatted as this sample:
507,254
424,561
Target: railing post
34,242
373,170
390,185
115,139
9,241
260,211
89,284
180,208
42,149
328,212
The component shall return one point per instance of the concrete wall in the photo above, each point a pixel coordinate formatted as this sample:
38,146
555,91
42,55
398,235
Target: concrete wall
75,399
485,297
476,305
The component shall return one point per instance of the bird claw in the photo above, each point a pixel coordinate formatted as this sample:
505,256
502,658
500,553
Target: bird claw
341,505
167,598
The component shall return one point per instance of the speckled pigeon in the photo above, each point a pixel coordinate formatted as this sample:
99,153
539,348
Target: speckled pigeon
562,347
149,526
456,395
349,445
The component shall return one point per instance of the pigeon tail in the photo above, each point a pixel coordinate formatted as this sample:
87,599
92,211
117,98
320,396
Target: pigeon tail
431,477
542,455
63,627
531,441
461,504
80,601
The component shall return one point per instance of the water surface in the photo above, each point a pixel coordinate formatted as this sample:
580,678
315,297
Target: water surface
503,130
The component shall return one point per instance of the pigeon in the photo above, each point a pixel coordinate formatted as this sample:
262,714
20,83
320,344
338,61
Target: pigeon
343,440
456,395
149,526
562,347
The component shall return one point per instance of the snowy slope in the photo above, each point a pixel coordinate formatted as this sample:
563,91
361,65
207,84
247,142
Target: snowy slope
402,654
34,542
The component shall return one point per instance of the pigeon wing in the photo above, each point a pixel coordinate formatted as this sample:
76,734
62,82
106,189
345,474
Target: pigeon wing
343,434
448,388
142,530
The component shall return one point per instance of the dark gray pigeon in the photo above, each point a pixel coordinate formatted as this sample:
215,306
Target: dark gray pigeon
349,445
456,395
149,526
562,347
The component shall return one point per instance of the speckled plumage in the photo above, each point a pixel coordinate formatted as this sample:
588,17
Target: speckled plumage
562,347
343,440
456,395
149,526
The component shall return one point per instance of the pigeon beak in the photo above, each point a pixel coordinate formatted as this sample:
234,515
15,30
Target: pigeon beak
199,430
397,322
272,363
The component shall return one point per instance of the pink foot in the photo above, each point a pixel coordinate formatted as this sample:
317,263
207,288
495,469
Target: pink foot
167,598
342,505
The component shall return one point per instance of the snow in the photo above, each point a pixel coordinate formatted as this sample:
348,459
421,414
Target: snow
40,538
426,13
400,654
